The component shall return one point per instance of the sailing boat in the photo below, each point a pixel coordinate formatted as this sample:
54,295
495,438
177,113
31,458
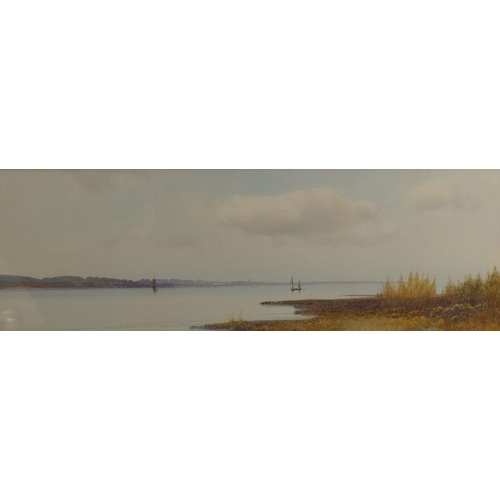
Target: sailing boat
155,288
294,288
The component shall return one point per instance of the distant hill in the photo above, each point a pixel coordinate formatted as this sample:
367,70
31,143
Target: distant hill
12,281
9,281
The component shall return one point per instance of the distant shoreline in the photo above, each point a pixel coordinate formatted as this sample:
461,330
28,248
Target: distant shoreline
77,282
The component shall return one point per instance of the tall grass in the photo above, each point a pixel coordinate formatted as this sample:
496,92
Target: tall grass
415,287
239,319
419,287
487,289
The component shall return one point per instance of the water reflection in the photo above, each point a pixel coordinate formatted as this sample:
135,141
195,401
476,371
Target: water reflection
9,320
140,309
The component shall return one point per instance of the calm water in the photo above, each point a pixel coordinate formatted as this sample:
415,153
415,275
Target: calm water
141,309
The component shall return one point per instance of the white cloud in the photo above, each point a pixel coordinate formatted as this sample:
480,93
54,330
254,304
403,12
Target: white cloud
323,215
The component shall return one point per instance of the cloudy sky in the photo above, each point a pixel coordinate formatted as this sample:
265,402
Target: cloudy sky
249,224
225,84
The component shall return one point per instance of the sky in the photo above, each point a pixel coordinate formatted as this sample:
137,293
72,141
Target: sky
249,224
262,84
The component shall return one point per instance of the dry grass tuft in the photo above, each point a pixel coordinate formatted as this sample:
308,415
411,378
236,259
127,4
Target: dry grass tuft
235,321
415,287
480,290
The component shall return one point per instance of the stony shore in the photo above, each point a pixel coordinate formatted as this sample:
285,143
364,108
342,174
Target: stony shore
376,313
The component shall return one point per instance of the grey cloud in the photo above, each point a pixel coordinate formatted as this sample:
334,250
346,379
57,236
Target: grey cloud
178,240
321,214
123,233
437,195
97,180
